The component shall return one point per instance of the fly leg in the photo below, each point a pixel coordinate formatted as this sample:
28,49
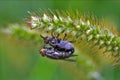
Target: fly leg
44,44
58,35
64,36
52,34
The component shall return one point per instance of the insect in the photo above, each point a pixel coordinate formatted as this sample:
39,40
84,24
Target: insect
59,44
55,54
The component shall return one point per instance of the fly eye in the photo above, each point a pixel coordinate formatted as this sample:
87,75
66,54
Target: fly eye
46,40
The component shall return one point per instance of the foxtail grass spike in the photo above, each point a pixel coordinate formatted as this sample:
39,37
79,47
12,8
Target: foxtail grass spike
80,28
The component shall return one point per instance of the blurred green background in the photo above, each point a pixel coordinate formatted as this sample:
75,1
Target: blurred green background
16,10
19,59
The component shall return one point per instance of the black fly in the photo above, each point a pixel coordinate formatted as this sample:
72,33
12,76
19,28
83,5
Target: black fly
59,44
60,48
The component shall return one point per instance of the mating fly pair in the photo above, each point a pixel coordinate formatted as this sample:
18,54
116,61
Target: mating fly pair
59,48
